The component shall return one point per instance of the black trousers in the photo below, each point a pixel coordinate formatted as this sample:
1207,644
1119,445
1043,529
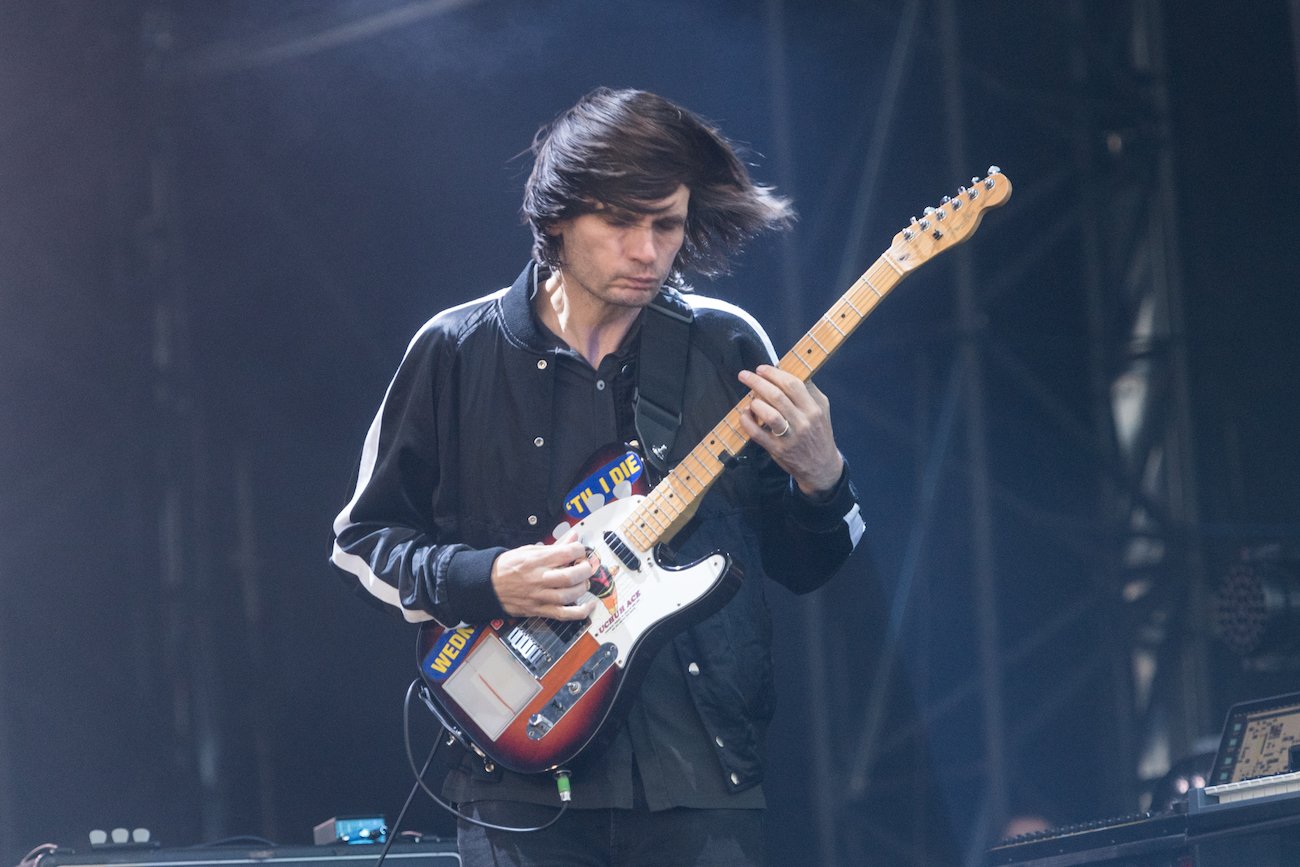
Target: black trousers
680,837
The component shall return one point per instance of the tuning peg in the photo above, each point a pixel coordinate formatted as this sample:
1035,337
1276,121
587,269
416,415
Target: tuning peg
908,234
994,170
945,200
929,210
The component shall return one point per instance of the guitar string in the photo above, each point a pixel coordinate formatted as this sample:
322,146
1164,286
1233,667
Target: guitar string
665,497
662,499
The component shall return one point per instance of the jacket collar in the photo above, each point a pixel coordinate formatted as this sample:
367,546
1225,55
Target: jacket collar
521,320
517,311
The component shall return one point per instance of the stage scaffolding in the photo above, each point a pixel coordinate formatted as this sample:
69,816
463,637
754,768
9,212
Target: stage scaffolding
1147,579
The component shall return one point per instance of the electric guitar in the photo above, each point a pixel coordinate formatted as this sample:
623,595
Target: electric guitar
530,694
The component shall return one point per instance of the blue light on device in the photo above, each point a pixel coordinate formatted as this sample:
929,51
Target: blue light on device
351,830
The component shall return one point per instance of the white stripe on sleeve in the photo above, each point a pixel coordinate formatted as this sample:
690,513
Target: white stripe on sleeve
377,586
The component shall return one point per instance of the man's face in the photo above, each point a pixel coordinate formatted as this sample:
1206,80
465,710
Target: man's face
621,258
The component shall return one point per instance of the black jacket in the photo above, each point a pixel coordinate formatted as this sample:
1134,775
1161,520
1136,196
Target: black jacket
457,467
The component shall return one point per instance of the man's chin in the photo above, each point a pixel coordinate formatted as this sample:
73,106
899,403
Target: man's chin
633,297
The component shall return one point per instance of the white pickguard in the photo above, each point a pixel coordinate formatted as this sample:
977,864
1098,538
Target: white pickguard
643,597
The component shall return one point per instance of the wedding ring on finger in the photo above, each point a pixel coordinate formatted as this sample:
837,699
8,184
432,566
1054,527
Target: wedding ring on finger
787,428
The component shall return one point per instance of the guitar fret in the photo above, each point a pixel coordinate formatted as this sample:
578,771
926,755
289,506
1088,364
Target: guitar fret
799,359
686,482
866,301
651,516
848,314
865,294
641,535
631,532
665,501
806,347
706,473
674,497
705,470
730,434
832,324
831,337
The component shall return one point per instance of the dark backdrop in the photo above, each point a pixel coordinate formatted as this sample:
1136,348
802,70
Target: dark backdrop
216,237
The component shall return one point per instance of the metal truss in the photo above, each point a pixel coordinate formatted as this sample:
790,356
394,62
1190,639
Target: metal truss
1154,577
1146,581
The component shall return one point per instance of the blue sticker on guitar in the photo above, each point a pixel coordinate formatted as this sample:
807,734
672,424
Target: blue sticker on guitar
448,652
600,487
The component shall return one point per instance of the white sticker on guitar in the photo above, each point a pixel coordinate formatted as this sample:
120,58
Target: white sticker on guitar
491,686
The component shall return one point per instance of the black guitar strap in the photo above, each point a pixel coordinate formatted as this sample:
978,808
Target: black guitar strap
661,376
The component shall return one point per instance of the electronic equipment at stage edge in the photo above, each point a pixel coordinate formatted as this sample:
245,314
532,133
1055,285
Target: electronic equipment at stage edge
351,830
1253,787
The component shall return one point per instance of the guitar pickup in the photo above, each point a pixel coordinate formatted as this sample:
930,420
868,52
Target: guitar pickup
622,551
538,644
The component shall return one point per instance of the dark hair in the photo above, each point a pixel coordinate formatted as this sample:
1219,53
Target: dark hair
624,148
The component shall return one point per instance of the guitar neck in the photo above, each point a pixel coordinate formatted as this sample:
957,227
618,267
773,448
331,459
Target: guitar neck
670,505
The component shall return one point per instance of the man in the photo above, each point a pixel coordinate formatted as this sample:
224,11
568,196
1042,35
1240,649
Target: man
488,422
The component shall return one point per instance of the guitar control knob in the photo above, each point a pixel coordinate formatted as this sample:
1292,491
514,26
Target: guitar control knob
573,687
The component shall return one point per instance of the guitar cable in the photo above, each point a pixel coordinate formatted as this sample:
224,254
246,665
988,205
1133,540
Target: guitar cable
392,832
562,783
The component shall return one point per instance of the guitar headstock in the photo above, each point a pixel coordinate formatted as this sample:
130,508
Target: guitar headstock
950,222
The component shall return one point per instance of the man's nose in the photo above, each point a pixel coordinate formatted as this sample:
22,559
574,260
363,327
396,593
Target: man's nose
640,244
